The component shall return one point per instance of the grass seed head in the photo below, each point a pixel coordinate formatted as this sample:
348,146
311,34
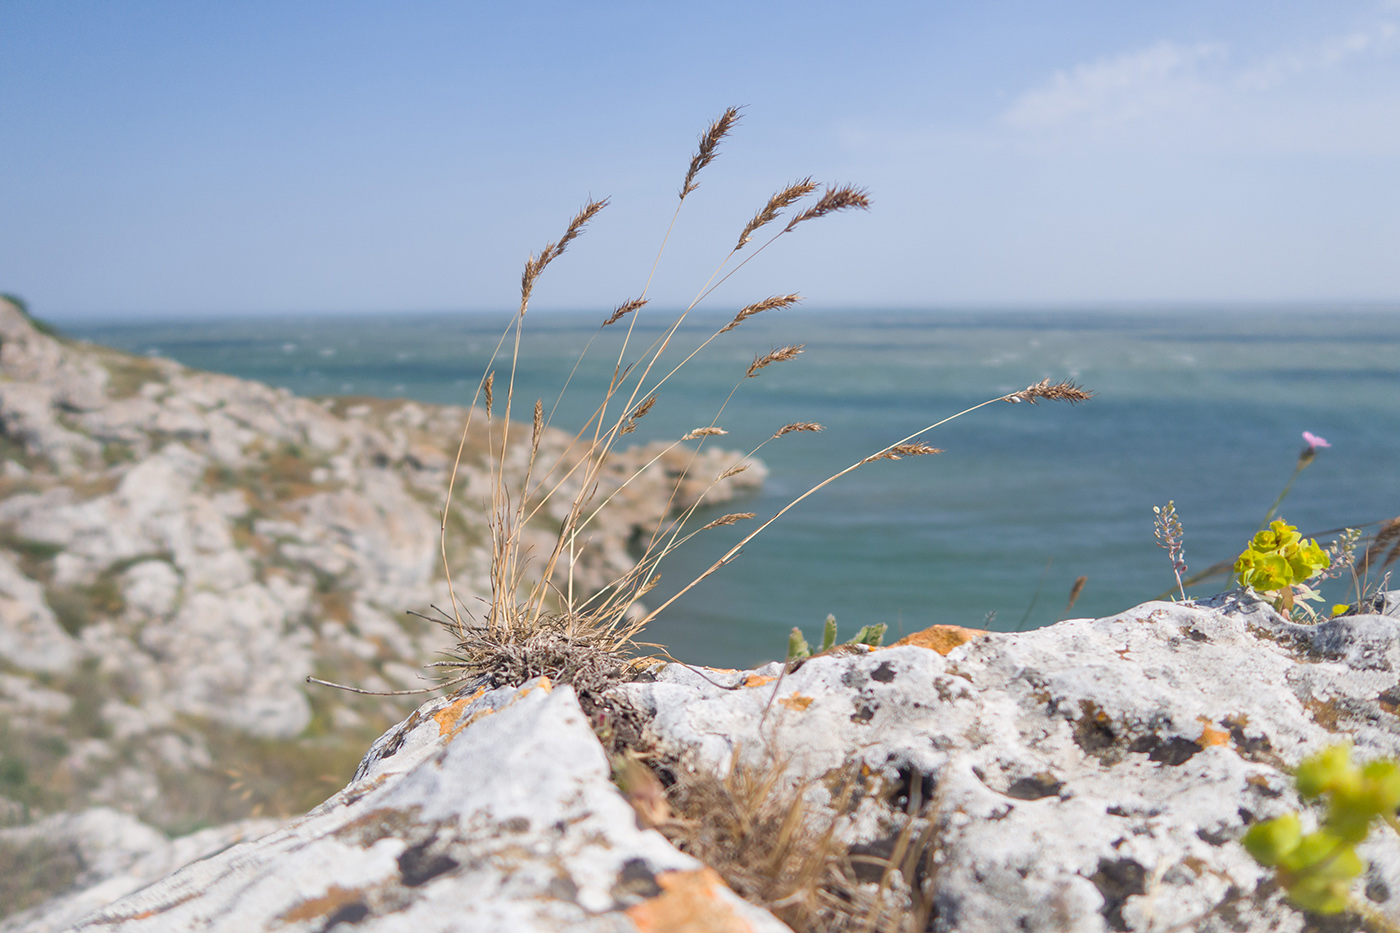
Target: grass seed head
783,199
709,147
624,309
729,519
1057,392
900,451
782,354
758,307
798,426
552,251
843,198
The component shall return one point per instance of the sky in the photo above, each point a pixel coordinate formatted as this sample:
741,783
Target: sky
170,158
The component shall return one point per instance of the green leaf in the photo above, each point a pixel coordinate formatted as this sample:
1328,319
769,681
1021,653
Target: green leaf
829,633
870,635
1270,841
1326,770
797,646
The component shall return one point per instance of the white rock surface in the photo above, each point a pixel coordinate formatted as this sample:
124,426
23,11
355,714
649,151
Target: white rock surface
1090,776
113,854
489,812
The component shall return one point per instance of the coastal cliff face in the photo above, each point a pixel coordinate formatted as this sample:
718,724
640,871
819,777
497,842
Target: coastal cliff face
180,549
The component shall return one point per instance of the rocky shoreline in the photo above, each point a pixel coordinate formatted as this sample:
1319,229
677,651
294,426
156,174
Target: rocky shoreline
180,549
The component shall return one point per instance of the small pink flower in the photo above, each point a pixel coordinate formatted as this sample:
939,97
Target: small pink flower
1314,441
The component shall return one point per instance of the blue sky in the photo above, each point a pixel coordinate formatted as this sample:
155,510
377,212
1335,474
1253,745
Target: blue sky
256,157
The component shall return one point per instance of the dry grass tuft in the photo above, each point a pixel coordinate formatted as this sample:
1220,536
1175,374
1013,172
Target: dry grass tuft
537,613
757,830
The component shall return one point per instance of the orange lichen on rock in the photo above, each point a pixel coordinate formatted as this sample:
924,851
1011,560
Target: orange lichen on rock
688,903
1212,736
940,638
797,701
758,680
447,716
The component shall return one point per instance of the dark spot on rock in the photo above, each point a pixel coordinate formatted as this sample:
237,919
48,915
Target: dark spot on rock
1390,701
1377,891
999,814
636,882
562,888
1247,817
865,711
854,678
911,785
1035,787
1094,730
1261,784
1253,747
884,673
348,913
418,865
1116,810
1174,751
1117,881
516,824
1197,635
1216,838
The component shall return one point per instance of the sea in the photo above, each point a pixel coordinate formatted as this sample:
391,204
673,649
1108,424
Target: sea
1201,407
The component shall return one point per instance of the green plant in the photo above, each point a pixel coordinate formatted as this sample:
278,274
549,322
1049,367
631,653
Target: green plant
1280,563
798,648
1317,868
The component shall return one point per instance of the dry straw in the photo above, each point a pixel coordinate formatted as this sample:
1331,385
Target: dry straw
537,621
535,603
545,605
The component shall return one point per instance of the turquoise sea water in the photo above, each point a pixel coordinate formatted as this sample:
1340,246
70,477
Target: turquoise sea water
1203,407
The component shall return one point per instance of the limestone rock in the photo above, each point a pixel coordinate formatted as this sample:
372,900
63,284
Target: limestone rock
108,855
1093,775
492,811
